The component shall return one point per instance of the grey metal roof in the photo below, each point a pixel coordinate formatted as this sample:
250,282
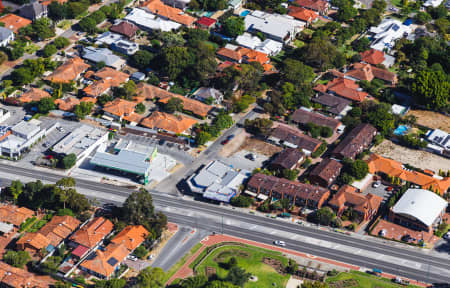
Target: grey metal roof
32,10
5,33
97,55
25,128
420,204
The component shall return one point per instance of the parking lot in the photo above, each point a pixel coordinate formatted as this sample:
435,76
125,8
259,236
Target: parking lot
239,160
379,191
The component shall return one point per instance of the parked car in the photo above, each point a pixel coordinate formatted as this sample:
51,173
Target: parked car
225,142
376,184
279,243
132,258
390,188
230,137
250,157
447,236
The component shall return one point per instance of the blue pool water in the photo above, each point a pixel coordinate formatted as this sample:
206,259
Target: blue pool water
245,13
208,14
401,130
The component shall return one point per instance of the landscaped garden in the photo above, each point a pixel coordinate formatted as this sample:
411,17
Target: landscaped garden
356,279
250,259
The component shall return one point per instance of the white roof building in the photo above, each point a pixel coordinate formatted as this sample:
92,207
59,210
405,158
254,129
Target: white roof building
108,38
433,3
387,32
147,21
268,46
217,181
439,138
281,28
420,204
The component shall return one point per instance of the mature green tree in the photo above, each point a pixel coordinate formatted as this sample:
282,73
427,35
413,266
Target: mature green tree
359,169
76,8
140,108
140,252
431,89
173,105
50,266
138,208
296,72
194,282
151,278
320,53
21,76
241,201
49,50
202,137
16,188
422,17
61,42
111,283
315,284
361,45
45,105
83,109
69,161
57,11
173,61
17,259
290,174
233,26
43,28
292,267
258,126
195,36
442,25
88,24
238,276
220,284
171,39
142,59
381,117
250,75
323,216
346,11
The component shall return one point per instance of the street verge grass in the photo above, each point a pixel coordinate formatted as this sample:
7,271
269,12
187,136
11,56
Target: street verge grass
365,280
181,262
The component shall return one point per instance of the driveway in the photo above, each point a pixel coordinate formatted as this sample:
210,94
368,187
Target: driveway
137,265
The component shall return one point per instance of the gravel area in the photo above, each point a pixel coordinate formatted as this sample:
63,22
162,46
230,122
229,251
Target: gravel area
417,158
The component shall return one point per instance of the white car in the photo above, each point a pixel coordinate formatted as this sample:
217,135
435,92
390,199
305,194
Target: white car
376,184
447,236
132,258
279,243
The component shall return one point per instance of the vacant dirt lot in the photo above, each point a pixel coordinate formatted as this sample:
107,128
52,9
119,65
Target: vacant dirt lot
416,158
431,119
260,147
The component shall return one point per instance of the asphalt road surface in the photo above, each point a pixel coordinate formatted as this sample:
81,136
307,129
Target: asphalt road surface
162,200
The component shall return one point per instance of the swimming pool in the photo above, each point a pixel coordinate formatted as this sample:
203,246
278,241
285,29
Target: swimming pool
401,130
245,13
208,14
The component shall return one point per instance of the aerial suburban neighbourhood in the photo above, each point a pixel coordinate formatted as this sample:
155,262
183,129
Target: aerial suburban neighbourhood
224,143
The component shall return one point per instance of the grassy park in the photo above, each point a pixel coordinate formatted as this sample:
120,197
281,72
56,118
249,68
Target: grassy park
356,279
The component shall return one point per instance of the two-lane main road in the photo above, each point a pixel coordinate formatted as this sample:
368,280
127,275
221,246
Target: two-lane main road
161,200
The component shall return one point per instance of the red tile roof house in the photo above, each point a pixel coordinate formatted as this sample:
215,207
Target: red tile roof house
366,206
320,6
131,237
372,56
125,28
206,22
299,194
103,264
325,173
91,235
361,71
286,135
289,158
345,88
355,142
304,117
303,14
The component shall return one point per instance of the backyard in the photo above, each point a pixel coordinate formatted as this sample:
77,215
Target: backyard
250,259
356,279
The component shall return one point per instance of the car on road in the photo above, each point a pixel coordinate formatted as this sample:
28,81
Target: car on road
376,184
150,257
250,157
447,236
389,189
230,137
279,243
132,258
225,142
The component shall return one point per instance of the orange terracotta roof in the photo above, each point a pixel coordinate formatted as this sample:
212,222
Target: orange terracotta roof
34,239
34,94
250,55
89,99
134,117
361,72
168,122
92,233
348,196
194,106
230,54
14,22
393,168
151,92
177,15
120,107
59,228
303,14
345,88
131,236
67,104
105,263
69,71
108,78
14,215
373,56
15,277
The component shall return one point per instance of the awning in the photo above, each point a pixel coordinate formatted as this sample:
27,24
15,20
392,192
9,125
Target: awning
262,197
250,193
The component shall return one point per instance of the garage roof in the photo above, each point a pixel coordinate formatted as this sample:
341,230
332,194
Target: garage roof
421,204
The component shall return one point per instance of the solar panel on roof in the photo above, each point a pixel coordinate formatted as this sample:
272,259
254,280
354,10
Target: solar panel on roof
112,261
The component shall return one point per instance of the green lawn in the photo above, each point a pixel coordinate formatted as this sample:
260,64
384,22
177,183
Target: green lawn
397,3
248,258
365,280
64,24
31,48
299,43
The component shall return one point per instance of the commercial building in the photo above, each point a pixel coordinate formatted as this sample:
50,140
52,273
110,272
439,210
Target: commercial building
150,22
217,181
355,142
23,135
325,173
126,157
81,142
299,194
418,209
281,28
366,206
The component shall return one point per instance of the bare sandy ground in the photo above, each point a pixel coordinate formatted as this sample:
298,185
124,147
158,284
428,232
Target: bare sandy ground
431,119
417,158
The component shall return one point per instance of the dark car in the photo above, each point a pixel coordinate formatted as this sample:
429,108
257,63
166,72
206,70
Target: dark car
224,142
250,157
